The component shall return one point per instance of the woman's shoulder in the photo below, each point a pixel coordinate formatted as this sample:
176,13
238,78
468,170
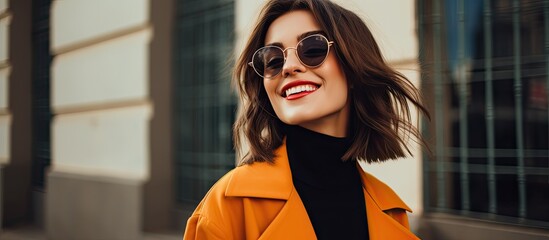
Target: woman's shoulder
223,205
214,201
211,218
256,180
237,178
382,193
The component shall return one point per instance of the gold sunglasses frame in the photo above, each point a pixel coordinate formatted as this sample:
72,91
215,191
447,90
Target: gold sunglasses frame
330,43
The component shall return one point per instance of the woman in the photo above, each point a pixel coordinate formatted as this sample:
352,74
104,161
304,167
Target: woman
317,97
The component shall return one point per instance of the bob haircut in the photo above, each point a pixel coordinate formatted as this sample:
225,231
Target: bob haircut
380,120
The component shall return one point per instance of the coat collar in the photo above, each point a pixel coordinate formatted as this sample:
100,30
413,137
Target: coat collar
274,181
263,179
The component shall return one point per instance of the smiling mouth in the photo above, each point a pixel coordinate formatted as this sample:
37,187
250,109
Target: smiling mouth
299,91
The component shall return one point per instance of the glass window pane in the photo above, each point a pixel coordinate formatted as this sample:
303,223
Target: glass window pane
204,106
485,71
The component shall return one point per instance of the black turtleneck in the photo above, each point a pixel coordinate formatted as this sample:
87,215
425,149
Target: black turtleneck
330,188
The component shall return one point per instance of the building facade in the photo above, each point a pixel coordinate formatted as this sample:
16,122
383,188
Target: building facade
115,116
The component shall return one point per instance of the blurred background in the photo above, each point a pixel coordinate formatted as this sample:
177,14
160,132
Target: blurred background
115,115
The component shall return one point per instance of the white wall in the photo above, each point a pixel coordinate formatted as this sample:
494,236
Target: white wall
393,24
4,40
100,92
5,133
3,5
77,22
245,14
103,73
110,142
5,116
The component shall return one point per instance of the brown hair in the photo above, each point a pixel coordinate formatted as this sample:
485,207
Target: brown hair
380,115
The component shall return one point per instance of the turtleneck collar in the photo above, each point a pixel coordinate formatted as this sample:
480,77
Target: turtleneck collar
315,158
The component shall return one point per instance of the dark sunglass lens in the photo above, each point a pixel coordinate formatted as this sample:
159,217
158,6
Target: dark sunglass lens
268,61
313,50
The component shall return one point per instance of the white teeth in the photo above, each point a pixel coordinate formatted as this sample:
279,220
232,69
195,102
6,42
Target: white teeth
298,89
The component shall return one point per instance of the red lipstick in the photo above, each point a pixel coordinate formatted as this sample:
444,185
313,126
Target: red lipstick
298,89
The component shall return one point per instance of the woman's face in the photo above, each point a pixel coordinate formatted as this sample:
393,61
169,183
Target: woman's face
322,105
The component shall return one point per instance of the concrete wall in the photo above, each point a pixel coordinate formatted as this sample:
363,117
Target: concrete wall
15,110
158,192
5,116
100,132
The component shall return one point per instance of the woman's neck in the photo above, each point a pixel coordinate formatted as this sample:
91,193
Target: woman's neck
335,124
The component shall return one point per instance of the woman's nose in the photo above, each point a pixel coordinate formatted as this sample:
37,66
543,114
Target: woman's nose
292,65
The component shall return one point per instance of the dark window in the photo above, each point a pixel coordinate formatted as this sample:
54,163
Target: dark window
204,104
41,119
485,68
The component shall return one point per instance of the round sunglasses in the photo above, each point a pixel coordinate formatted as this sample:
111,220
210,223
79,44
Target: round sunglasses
311,51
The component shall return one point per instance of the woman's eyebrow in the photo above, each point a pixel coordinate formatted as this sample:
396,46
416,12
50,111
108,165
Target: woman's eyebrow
278,44
306,34
299,38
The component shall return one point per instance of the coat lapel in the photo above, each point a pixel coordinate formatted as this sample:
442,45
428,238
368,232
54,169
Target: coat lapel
380,198
263,179
274,181
291,223
381,226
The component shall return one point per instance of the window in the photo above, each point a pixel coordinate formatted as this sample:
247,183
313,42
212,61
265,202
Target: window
41,119
204,105
485,77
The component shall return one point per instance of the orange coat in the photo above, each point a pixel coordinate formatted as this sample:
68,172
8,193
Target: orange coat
259,201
